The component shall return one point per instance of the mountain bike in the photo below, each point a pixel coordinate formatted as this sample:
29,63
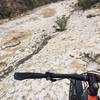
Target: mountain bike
82,86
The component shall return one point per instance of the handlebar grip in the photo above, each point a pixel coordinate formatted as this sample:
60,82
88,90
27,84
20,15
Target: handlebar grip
22,76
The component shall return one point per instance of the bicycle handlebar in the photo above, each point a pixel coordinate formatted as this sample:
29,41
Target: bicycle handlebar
50,76
22,76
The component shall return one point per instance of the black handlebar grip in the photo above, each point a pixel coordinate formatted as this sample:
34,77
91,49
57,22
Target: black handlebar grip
22,76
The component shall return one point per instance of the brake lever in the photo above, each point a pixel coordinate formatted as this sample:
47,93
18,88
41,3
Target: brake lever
53,79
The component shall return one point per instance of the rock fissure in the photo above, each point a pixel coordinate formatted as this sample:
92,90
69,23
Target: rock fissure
9,69
43,43
40,52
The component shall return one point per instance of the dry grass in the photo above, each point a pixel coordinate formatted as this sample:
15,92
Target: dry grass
90,57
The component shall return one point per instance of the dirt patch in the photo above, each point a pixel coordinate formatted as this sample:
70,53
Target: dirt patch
11,43
76,65
48,12
15,37
8,52
19,34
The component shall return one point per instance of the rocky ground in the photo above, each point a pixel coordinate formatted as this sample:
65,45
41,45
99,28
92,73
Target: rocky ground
30,44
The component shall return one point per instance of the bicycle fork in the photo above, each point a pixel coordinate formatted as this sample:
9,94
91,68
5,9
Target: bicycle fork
93,87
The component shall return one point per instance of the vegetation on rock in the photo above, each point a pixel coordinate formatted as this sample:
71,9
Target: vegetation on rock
61,23
86,4
12,8
91,56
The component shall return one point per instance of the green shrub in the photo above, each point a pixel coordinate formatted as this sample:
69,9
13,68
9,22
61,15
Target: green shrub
86,4
61,23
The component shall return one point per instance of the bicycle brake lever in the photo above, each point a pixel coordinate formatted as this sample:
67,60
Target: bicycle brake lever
52,79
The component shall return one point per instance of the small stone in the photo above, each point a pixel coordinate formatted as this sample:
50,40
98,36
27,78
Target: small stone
98,60
90,15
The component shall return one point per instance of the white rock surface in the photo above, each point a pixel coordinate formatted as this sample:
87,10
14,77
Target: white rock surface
49,51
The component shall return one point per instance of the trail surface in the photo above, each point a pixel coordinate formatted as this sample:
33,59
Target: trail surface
30,44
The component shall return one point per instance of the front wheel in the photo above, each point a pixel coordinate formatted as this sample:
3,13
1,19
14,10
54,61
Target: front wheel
75,90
